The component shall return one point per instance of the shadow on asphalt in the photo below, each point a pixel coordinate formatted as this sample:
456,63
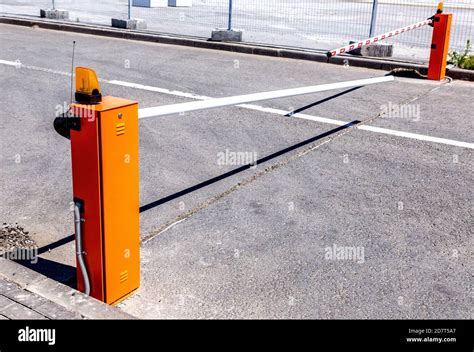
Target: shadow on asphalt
56,244
62,273
65,274
245,167
306,107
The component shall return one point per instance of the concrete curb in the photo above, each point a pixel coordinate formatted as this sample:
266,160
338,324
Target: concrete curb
245,48
58,293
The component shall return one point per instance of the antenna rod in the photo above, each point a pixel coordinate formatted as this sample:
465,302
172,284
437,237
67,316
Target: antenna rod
72,67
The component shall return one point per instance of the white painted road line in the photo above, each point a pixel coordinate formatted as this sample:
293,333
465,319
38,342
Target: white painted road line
158,90
9,63
373,129
19,65
380,130
419,137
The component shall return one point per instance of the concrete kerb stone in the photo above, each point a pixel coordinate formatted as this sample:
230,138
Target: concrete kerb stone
290,53
58,293
18,274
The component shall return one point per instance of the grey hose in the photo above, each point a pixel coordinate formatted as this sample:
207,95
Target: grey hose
79,251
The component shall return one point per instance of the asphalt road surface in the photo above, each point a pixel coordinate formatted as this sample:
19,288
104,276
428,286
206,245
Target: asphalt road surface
397,192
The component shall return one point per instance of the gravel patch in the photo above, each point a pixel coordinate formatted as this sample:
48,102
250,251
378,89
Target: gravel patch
14,237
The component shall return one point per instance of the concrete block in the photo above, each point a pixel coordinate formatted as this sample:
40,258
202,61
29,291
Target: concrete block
15,293
54,14
133,23
224,35
374,50
55,311
5,302
13,310
6,287
140,24
150,3
180,3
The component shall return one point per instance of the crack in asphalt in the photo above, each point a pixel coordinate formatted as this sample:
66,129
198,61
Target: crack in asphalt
203,205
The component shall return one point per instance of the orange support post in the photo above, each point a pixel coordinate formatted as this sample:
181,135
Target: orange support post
440,45
104,149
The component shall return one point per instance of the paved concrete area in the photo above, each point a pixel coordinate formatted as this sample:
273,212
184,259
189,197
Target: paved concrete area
307,24
28,294
17,303
258,244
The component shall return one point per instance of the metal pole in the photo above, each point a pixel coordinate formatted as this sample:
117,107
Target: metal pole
373,21
229,26
54,7
129,9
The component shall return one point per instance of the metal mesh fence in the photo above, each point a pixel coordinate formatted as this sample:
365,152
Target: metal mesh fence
397,13
312,24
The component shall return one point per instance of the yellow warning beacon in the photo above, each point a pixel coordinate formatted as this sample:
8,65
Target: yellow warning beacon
87,86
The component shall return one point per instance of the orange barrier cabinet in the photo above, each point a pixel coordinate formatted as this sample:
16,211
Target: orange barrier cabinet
440,46
104,148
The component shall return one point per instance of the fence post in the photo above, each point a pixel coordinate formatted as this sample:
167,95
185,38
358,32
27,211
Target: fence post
229,25
373,21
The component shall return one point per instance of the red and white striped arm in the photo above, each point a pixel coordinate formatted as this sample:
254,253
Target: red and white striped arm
378,38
